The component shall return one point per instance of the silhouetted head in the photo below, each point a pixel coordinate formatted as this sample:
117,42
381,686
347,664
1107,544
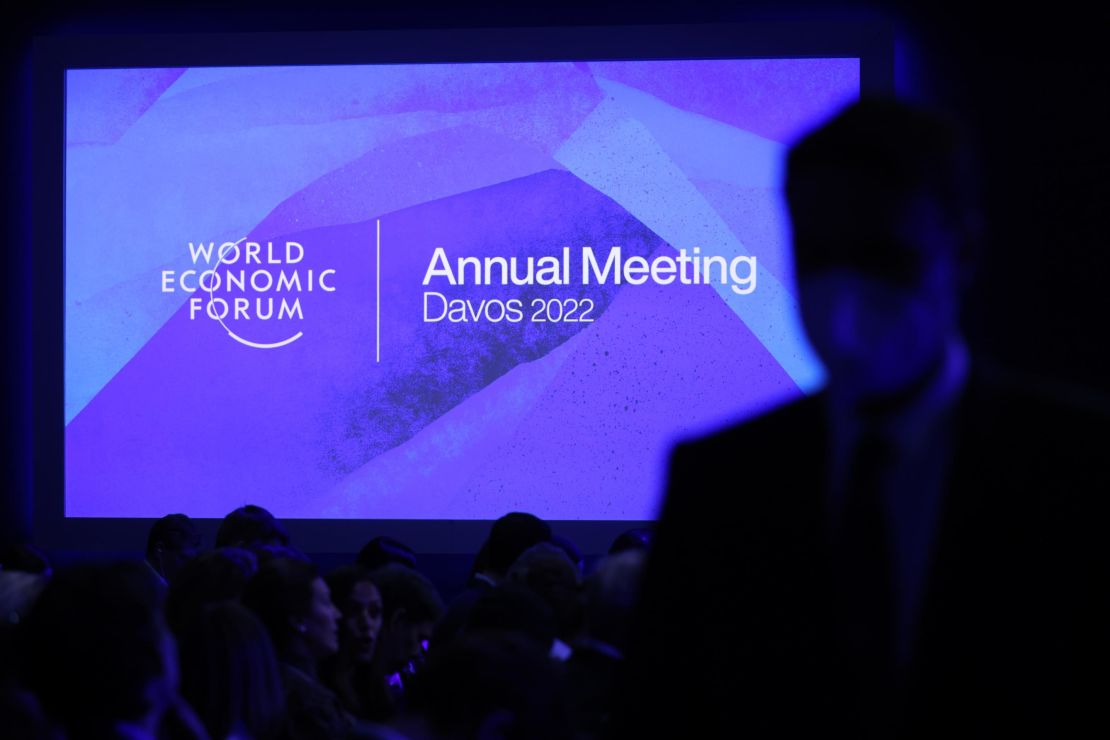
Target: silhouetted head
631,539
573,552
611,594
173,541
217,575
383,551
885,228
411,606
251,525
511,535
490,685
229,673
294,604
546,570
353,591
97,652
265,552
513,608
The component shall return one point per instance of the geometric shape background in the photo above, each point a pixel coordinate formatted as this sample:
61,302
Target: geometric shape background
164,412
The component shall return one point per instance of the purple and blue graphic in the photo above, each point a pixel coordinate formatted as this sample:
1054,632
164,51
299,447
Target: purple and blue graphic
424,291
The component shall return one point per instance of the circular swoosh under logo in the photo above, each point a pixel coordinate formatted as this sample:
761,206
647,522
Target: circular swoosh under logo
236,337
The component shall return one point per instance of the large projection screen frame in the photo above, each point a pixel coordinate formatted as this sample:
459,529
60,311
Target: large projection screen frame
871,43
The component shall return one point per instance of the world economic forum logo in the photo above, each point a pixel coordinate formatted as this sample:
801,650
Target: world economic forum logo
254,290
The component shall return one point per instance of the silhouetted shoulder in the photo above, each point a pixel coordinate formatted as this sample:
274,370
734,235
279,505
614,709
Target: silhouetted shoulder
771,433
1052,430
769,468
1037,396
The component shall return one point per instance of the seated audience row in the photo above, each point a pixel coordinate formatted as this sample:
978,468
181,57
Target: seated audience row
250,640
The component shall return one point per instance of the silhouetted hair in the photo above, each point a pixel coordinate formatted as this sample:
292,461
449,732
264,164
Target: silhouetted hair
267,552
25,558
900,146
491,676
546,570
573,553
383,551
210,577
174,532
611,594
343,579
95,643
251,525
230,675
281,590
511,535
512,607
631,539
898,150
404,588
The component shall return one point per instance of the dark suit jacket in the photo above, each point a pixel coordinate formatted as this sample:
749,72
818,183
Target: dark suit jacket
735,630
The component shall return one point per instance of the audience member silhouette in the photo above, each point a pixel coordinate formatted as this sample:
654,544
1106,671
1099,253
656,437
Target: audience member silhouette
595,666
631,539
572,551
509,536
487,685
230,675
350,672
249,526
295,606
98,656
548,572
514,608
383,551
212,577
265,552
910,552
173,541
411,607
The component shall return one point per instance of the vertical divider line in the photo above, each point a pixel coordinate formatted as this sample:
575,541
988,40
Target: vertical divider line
378,296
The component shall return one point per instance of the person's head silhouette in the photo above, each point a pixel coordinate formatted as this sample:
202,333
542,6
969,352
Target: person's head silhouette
885,227
173,541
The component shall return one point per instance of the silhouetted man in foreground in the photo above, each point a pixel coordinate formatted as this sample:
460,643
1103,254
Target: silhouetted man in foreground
913,552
